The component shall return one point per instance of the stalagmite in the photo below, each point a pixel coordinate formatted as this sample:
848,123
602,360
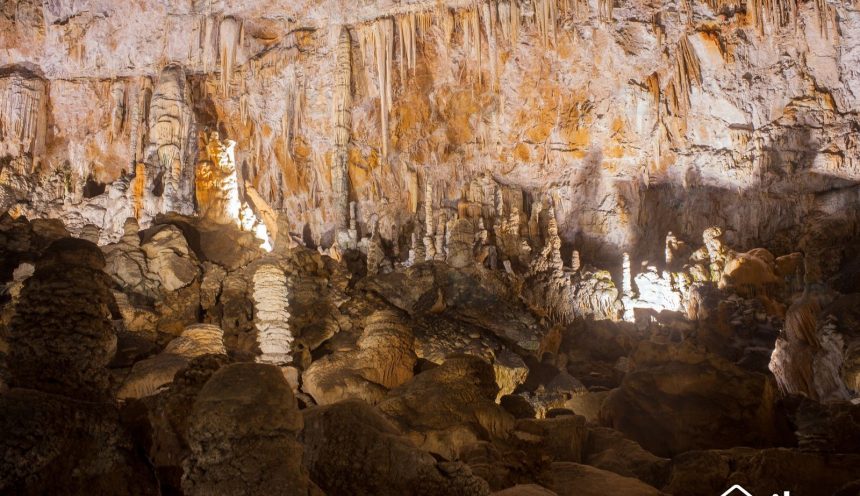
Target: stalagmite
217,185
271,315
343,128
575,262
671,245
170,128
627,288
229,33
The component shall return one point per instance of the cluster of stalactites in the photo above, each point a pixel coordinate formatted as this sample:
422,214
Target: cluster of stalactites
23,114
482,25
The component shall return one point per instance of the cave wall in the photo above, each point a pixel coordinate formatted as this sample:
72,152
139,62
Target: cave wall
632,118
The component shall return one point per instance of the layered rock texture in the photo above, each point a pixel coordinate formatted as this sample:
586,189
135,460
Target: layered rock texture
515,247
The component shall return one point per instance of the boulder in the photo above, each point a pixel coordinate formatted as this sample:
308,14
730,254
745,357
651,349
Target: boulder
608,449
160,422
58,445
524,490
561,438
683,381
449,406
351,449
383,360
169,257
573,479
148,375
242,435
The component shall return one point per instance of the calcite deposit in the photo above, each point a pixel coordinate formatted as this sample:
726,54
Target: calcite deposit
447,247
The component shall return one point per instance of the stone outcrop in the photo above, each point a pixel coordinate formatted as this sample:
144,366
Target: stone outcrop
669,377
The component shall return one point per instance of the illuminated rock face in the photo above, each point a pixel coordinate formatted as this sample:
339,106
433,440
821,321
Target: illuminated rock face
216,182
478,217
636,120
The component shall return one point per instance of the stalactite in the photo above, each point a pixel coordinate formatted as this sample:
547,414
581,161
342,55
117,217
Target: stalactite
546,15
774,13
429,224
379,36
826,16
207,43
579,8
471,26
407,32
343,128
291,121
488,16
229,35
687,71
604,10
118,109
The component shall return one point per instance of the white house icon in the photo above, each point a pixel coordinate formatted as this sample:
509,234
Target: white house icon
736,490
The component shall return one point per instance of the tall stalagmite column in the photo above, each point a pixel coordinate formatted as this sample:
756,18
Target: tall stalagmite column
271,315
343,126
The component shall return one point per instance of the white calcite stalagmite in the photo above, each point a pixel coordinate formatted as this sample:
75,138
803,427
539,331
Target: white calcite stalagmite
272,315
627,288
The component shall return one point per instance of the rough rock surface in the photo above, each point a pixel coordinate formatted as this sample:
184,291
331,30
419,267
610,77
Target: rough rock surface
697,386
610,231
148,375
61,338
449,406
352,449
383,359
242,435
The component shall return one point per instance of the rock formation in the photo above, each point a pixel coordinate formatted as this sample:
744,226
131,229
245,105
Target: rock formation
429,247
271,315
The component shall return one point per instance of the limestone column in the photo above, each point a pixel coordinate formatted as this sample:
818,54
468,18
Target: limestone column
271,315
